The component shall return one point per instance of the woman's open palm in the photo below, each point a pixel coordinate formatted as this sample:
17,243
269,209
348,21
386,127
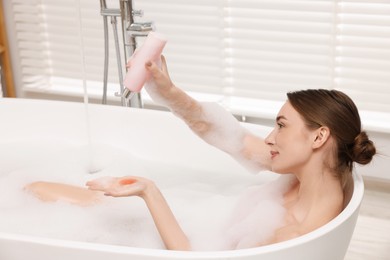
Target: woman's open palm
119,186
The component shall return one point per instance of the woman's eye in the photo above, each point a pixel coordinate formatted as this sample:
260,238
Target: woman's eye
280,125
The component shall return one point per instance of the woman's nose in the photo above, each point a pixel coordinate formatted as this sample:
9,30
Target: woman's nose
270,139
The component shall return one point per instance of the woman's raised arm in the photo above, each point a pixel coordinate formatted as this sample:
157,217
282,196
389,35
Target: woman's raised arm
209,121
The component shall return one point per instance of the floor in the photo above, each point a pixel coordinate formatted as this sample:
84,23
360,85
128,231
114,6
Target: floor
371,239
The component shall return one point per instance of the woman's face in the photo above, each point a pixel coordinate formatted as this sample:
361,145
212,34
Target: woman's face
290,142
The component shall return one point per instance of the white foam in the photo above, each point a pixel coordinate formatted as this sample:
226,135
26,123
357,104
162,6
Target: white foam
202,201
228,135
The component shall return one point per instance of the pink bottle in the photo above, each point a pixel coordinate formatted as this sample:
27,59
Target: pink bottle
150,51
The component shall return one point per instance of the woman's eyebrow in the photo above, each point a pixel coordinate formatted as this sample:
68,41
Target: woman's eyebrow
280,117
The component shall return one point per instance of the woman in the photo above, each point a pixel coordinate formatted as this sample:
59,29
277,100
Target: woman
317,137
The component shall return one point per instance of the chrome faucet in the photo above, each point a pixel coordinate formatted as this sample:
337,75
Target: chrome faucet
130,30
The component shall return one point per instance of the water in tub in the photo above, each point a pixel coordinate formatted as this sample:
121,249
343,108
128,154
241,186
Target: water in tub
203,202
216,210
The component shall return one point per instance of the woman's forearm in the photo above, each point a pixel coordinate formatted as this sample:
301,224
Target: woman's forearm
162,90
169,229
189,110
208,120
166,223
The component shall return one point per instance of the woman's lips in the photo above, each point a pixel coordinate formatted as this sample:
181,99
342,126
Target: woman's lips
273,154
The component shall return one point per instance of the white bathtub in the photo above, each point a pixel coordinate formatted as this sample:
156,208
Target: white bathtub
158,136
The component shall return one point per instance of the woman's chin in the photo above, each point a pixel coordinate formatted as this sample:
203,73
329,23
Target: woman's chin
280,170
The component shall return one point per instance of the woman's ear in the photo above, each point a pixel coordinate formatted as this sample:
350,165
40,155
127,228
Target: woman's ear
321,136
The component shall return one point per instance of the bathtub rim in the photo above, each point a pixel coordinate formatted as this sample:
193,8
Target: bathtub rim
350,209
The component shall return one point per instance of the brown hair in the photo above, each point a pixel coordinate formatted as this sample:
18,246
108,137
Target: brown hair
337,111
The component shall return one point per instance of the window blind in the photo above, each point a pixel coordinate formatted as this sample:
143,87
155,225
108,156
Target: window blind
195,51
279,45
362,52
255,49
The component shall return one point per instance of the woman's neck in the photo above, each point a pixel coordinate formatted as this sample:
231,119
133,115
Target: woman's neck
316,191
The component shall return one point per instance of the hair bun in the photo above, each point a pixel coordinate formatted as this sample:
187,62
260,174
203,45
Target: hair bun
363,149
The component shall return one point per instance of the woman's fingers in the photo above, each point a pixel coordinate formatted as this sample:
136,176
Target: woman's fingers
161,68
160,77
121,190
153,68
100,183
164,66
117,187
